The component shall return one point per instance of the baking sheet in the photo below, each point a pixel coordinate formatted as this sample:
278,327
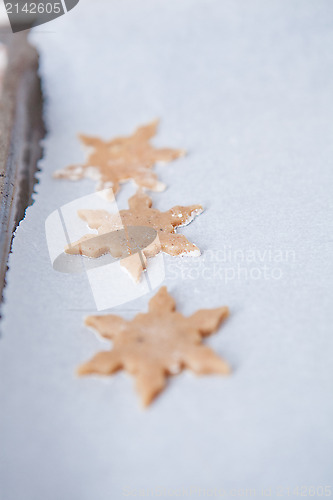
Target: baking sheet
246,88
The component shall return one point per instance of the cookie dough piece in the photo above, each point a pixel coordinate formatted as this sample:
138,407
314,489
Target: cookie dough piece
157,344
140,213
122,159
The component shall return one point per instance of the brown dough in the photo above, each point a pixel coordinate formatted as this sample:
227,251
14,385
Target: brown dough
139,213
157,344
121,159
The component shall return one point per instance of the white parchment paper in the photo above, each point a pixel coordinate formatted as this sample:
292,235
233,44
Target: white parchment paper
246,88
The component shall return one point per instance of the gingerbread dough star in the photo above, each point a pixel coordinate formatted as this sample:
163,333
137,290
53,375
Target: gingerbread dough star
140,213
157,344
121,159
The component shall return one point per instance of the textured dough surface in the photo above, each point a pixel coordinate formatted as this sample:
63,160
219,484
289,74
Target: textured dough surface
122,159
139,213
157,344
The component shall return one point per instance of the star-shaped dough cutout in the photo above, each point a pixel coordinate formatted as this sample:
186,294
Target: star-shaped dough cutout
121,159
140,213
157,344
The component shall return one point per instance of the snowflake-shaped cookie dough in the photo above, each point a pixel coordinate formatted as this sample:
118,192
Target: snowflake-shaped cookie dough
157,344
121,159
140,213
